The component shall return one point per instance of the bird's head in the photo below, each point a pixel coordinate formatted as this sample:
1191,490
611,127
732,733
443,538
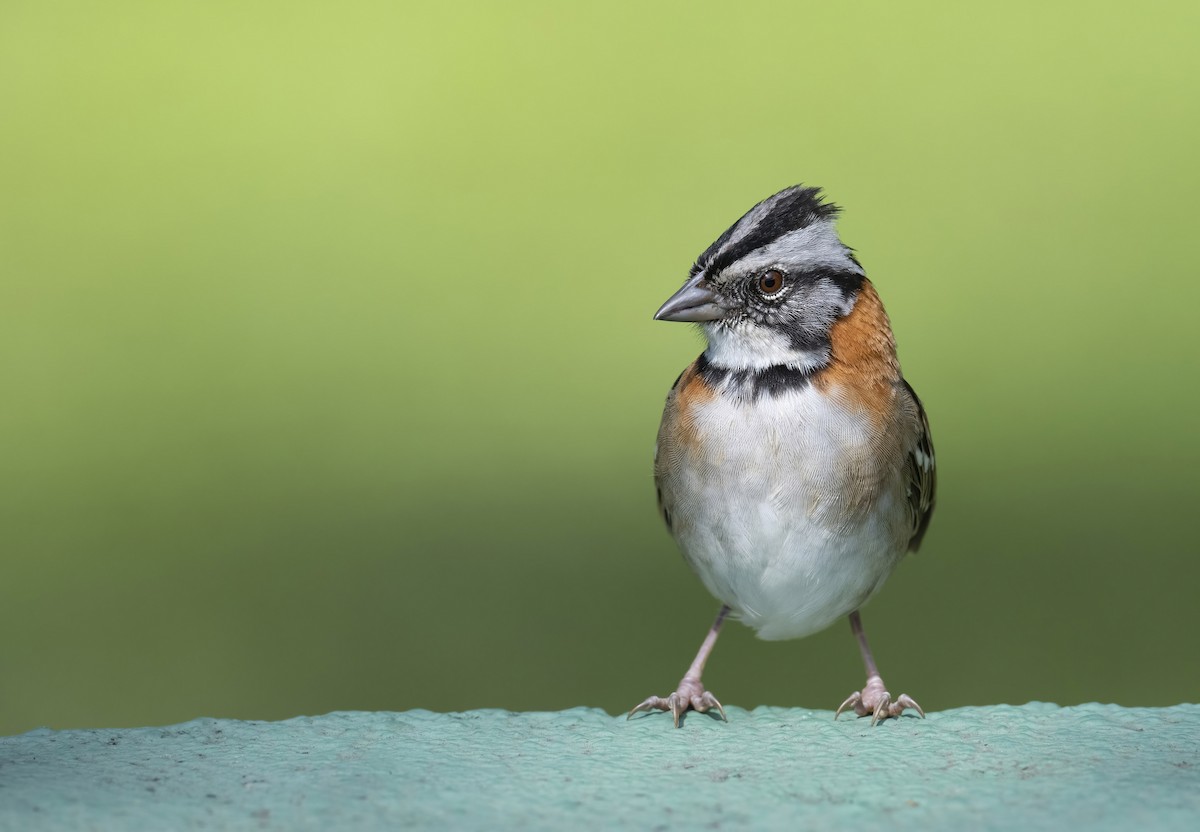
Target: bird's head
767,292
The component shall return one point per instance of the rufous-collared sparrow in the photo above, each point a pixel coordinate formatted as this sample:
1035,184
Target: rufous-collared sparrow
794,464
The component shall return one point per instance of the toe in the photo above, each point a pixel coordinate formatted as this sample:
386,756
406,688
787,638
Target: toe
649,704
881,709
678,706
906,701
852,701
706,702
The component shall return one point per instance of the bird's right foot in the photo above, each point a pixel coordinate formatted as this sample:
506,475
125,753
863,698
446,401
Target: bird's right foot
689,695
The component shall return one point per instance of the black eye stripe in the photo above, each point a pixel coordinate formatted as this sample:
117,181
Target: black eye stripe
847,281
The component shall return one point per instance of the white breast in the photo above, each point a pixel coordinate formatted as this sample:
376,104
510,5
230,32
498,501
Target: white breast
784,510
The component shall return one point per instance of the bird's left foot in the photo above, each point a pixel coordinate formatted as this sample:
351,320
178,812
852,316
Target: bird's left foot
875,701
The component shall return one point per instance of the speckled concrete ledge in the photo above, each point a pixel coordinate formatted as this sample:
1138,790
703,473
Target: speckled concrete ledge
1035,766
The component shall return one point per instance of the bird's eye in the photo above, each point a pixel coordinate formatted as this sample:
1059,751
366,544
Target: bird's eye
770,281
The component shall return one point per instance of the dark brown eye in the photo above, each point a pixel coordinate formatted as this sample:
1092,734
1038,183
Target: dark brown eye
770,282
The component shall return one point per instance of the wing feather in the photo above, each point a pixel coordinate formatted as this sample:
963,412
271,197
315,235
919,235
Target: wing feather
922,476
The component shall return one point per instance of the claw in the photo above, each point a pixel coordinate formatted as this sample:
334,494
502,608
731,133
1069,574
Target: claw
851,701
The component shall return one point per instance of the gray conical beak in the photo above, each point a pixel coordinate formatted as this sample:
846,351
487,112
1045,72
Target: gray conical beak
694,302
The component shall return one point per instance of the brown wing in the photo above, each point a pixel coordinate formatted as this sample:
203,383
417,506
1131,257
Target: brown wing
664,450
921,468
677,433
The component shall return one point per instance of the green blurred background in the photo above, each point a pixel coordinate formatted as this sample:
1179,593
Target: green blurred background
330,381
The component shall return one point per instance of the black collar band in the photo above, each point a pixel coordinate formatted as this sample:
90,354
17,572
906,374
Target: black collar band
752,383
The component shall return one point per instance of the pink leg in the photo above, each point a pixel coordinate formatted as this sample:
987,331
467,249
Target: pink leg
874,698
690,693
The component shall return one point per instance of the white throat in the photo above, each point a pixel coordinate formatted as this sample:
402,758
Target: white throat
749,347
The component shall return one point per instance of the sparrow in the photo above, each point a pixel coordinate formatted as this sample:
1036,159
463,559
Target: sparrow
794,466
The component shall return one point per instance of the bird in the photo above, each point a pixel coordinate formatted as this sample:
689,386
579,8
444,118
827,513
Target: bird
794,465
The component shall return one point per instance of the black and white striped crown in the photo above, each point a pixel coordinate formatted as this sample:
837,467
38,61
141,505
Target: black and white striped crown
789,210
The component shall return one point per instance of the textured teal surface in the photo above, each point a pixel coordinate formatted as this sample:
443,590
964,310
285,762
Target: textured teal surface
1035,766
